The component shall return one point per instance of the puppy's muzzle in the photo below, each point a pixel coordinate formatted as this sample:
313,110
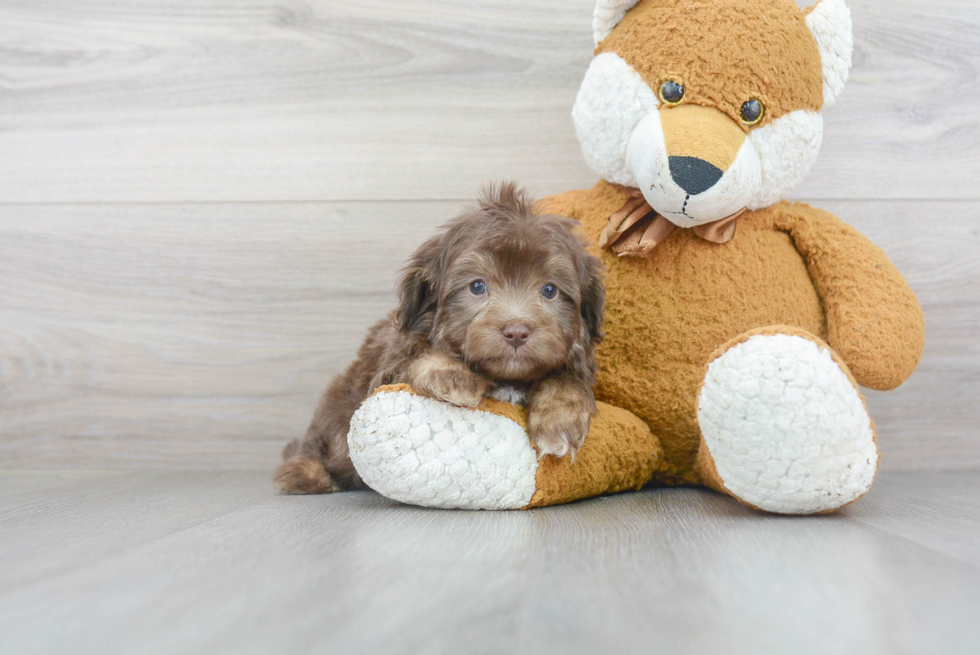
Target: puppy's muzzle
516,334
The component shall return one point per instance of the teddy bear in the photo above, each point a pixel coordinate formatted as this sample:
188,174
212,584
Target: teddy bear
739,326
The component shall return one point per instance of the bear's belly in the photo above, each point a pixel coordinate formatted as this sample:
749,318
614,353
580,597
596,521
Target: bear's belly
667,314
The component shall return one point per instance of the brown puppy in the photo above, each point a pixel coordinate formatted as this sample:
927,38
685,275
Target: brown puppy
502,302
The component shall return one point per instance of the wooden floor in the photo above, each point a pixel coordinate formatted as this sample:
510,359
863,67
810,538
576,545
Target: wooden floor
179,562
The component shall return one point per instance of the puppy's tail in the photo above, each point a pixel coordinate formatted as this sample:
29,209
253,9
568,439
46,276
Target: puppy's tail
304,476
291,450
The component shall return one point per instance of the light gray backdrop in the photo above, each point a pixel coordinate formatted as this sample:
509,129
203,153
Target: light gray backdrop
204,203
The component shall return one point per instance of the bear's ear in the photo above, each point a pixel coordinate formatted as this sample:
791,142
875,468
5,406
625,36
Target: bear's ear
607,15
830,23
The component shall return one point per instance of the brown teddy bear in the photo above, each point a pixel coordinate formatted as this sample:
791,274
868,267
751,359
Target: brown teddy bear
738,326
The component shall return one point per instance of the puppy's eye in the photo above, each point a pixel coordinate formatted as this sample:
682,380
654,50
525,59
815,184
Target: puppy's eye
478,287
753,112
671,92
549,291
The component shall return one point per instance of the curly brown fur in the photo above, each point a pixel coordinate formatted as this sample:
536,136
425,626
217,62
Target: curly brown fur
501,302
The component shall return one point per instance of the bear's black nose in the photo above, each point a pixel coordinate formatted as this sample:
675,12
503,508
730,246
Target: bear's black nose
694,175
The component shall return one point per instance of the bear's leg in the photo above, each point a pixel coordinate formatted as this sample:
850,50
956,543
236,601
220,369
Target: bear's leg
783,425
422,451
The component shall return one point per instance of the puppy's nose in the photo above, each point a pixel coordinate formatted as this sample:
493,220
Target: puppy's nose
516,334
694,175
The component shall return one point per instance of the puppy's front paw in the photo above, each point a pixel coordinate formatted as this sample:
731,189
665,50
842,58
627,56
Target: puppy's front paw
559,428
453,384
559,414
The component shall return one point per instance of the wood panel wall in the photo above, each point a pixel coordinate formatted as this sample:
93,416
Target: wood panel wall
203,203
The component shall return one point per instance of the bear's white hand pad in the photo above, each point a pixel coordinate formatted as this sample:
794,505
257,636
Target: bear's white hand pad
786,427
421,451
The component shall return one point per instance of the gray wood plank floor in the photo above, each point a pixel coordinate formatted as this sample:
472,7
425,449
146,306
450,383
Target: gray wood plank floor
166,562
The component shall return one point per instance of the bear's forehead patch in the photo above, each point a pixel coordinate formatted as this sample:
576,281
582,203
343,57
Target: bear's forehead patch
724,52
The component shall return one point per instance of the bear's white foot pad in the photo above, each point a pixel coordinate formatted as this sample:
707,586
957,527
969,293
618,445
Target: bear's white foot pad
785,426
421,451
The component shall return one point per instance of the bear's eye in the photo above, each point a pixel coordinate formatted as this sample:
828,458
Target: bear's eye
478,287
671,93
752,112
549,291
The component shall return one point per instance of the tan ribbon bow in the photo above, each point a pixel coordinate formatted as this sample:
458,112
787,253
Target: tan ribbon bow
635,230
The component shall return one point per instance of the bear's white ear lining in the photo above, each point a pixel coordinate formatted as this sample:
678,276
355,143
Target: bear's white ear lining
830,23
607,15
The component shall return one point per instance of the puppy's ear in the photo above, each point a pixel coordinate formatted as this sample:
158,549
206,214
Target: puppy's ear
417,286
593,306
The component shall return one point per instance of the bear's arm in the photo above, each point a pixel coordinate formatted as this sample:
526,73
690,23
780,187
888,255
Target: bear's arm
874,320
